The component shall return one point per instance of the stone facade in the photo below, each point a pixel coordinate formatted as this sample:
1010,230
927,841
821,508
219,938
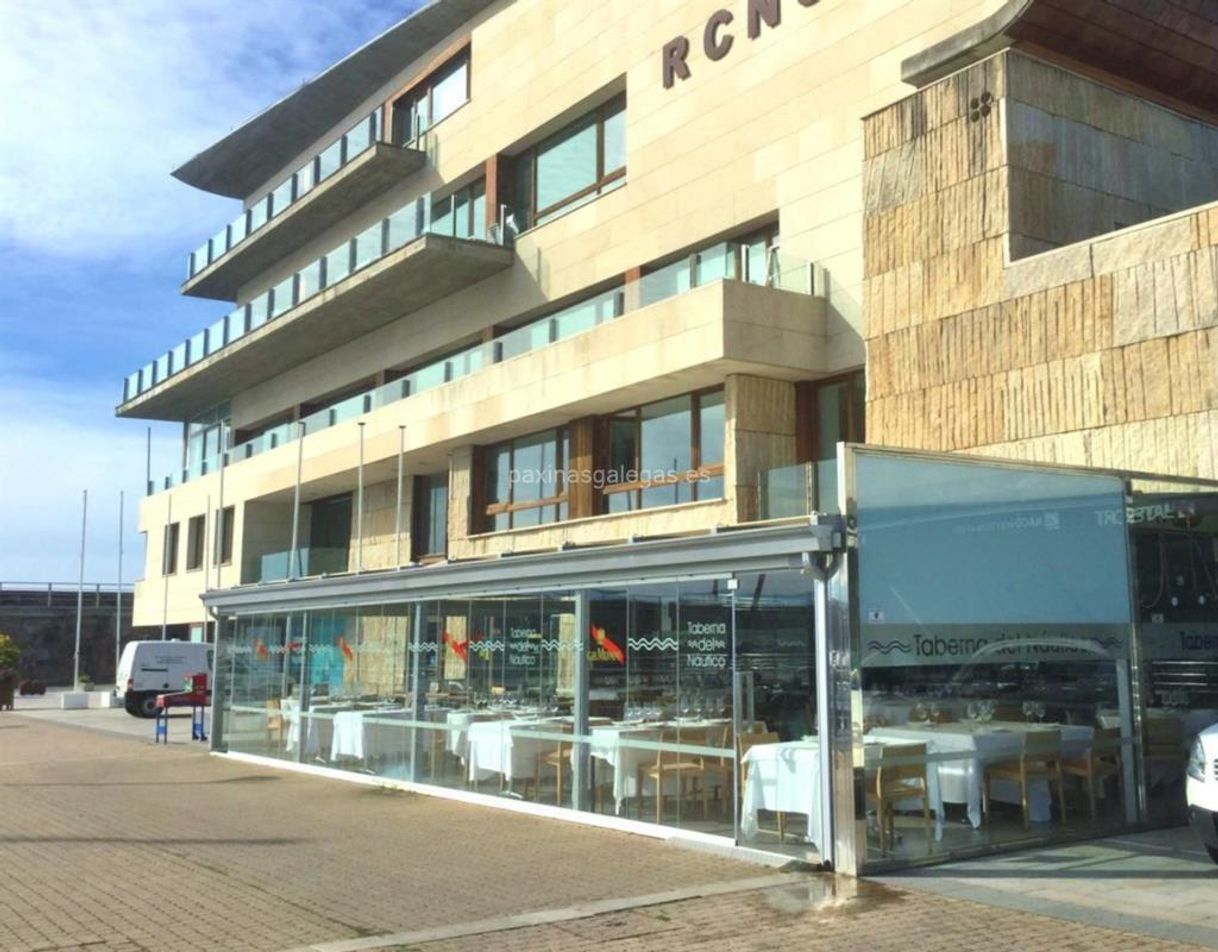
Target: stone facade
1102,352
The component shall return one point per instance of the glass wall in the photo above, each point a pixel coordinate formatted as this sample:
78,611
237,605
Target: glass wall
636,702
1173,532
994,639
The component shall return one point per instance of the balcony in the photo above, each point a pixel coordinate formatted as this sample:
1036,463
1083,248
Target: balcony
686,326
392,268
288,219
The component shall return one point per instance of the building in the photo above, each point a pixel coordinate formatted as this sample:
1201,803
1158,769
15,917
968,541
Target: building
538,303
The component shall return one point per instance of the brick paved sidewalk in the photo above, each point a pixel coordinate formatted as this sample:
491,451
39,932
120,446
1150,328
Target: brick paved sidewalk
110,844
871,918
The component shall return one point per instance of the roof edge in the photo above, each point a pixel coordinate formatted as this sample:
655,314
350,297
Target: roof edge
970,45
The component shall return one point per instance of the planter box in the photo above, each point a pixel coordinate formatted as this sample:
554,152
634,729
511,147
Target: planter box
101,699
73,700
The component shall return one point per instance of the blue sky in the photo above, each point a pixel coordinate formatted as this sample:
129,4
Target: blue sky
103,98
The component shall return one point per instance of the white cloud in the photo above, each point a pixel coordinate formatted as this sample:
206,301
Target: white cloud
104,97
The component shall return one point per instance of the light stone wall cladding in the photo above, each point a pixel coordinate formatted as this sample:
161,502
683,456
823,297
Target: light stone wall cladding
1086,159
1104,352
772,130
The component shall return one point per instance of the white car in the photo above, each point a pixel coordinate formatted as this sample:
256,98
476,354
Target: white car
1202,790
149,668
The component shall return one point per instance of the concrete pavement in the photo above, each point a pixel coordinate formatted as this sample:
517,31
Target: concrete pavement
110,844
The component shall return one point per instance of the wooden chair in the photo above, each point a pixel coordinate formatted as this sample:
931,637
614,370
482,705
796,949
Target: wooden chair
1165,747
743,744
684,767
900,775
274,722
1040,758
559,759
1101,761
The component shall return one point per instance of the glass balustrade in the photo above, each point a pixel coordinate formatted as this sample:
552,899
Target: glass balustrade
357,140
793,488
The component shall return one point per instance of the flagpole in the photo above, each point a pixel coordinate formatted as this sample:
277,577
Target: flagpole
398,516
80,590
359,506
118,595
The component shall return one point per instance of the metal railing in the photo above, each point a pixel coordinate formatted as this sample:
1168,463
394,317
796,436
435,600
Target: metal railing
51,594
725,261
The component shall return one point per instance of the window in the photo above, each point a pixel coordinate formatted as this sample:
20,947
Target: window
434,99
195,531
525,481
169,557
837,413
572,167
225,519
461,214
206,438
666,453
429,533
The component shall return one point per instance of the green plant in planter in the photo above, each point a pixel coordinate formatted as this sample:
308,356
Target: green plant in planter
84,681
10,653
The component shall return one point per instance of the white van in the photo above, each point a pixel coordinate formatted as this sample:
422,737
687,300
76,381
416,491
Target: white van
1202,789
149,668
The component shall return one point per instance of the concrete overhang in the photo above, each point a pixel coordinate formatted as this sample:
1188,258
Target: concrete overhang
424,271
379,168
1168,47
684,343
744,549
246,158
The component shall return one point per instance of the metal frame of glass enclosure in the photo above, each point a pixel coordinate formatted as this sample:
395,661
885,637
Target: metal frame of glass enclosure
824,550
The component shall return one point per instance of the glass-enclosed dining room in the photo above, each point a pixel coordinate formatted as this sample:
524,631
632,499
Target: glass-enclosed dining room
975,655
657,701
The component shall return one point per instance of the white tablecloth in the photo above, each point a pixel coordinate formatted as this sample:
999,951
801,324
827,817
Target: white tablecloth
971,747
508,748
318,732
458,726
614,746
784,778
370,734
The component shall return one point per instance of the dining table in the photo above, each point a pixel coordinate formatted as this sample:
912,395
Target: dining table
371,734
783,778
316,724
958,752
510,747
625,746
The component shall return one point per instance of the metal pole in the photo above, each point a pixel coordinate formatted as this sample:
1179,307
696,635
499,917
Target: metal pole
218,552
398,517
294,555
165,570
80,590
118,594
359,506
207,522
148,464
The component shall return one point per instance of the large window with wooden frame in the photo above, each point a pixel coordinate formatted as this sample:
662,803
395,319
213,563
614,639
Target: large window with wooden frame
429,524
169,555
432,100
196,529
665,453
524,481
571,167
226,520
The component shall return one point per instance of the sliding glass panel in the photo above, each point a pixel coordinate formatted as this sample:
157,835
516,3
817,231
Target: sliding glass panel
989,660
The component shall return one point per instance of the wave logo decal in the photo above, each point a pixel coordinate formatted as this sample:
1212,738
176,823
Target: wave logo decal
889,647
